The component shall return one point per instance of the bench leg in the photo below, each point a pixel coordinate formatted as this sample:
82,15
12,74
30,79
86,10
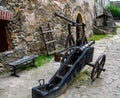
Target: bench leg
14,72
33,63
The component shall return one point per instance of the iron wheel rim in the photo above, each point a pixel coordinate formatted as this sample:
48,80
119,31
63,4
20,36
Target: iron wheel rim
99,64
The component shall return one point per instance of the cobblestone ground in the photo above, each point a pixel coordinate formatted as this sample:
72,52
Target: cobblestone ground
108,86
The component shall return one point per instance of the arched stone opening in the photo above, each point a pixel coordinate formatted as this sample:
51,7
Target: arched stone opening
79,29
5,17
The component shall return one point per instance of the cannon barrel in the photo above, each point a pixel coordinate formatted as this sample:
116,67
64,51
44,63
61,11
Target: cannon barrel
73,23
82,48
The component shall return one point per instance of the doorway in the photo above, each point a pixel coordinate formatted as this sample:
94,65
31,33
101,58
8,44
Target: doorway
3,36
80,32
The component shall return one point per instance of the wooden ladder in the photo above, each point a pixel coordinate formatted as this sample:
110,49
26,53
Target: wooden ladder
49,41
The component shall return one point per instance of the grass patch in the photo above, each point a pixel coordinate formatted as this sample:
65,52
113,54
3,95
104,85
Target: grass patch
81,79
82,75
117,26
98,37
43,59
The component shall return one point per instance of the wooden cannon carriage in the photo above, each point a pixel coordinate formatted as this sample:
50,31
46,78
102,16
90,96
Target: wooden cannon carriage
72,62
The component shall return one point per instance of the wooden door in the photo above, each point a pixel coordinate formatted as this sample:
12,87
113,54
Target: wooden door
79,32
3,38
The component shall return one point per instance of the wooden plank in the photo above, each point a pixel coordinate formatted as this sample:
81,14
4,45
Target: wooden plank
49,42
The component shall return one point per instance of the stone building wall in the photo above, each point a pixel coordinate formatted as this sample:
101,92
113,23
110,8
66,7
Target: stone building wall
28,15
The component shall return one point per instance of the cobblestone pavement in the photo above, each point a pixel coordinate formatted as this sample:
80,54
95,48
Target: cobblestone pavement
108,86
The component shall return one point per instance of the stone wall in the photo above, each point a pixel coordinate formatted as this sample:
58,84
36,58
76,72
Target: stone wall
28,15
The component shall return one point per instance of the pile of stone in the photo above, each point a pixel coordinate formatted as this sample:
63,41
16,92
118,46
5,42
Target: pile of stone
104,23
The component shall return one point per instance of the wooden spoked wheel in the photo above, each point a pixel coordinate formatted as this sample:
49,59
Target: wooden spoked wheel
98,67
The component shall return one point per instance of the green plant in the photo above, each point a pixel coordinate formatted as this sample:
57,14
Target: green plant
117,26
81,78
43,59
114,10
98,37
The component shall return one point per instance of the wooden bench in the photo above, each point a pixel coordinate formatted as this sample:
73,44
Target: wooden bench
23,61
